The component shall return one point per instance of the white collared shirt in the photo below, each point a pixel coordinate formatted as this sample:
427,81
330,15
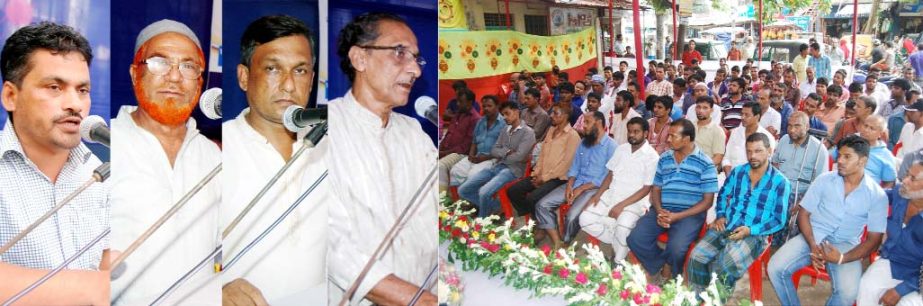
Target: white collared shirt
911,140
736,151
291,258
376,171
630,172
144,187
771,117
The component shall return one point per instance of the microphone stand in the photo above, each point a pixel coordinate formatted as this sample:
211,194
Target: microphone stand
100,174
389,237
311,139
416,297
150,231
56,270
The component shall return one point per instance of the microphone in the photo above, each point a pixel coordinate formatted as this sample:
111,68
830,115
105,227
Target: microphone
94,129
426,108
297,118
210,103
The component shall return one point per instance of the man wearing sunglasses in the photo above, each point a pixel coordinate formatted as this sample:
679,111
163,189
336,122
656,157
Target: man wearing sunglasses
378,160
158,155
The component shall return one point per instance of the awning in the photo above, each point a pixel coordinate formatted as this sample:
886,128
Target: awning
846,11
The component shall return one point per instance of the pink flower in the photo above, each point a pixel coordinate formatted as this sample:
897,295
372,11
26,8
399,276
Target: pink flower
616,275
581,278
477,227
546,249
651,289
493,248
563,273
602,290
638,299
548,269
625,294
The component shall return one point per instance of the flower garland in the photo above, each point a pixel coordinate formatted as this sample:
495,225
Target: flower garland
482,244
449,289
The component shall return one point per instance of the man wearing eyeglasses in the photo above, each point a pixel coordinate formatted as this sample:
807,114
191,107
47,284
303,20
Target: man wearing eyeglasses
378,159
158,155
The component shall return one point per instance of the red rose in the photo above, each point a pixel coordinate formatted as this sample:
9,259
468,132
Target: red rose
548,269
602,290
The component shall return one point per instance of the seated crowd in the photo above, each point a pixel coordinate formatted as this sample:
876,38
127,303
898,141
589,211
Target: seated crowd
817,173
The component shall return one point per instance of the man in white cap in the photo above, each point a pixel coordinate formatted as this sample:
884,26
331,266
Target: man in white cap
378,160
290,260
158,155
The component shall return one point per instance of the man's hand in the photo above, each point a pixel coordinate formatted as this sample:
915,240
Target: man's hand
740,232
718,225
890,298
831,254
664,218
616,210
817,257
536,181
568,193
473,158
241,292
726,169
593,201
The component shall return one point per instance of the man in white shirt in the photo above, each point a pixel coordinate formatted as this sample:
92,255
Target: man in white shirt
619,116
876,90
378,159
41,161
771,120
291,259
158,155
911,135
701,90
736,153
614,209
808,86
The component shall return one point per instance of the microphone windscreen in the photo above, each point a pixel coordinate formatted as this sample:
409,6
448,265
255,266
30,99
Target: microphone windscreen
423,104
210,103
87,126
288,118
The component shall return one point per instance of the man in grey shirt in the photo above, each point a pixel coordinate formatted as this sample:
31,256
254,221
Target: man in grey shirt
511,150
801,158
533,116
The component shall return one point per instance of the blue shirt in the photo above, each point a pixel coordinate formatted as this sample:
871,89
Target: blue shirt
786,112
589,164
904,245
577,102
836,218
881,165
821,67
677,112
764,208
895,124
684,184
916,61
485,138
815,122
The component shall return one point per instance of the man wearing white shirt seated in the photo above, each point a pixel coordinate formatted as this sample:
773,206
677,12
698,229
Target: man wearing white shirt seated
291,259
808,86
876,90
736,153
158,155
701,90
378,160
771,120
911,135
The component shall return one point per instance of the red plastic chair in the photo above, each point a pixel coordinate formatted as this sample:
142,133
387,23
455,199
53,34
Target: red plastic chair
756,273
829,163
822,272
453,193
896,148
562,226
663,239
506,206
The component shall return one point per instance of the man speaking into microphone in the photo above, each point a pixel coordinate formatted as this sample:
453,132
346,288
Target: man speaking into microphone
276,71
46,91
378,159
158,155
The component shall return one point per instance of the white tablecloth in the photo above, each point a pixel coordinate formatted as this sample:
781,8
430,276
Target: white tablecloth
481,290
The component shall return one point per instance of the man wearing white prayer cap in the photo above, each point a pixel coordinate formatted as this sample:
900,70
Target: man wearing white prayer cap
158,155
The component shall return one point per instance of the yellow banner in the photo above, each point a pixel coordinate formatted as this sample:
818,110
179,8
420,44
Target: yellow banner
474,54
452,15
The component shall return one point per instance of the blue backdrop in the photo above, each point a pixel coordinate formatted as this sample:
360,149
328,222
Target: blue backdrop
420,15
90,18
129,18
237,15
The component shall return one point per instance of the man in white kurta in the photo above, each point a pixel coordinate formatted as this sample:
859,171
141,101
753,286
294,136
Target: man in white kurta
378,160
631,170
158,155
288,263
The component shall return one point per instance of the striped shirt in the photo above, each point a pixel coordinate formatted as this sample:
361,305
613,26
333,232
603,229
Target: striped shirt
684,184
26,194
762,208
731,111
